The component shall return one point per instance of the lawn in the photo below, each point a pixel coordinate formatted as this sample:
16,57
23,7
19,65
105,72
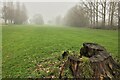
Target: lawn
32,51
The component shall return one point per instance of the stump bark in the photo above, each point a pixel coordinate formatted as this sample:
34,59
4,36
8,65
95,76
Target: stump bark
101,62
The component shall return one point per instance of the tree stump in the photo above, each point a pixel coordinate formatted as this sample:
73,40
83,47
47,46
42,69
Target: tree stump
101,62
73,64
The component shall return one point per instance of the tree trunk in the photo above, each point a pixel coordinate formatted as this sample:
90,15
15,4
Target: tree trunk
94,22
119,14
109,17
11,21
91,21
111,22
97,14
5,21
112,13
104,15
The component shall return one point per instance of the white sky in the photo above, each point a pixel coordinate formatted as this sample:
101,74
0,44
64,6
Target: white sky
49,10
41,0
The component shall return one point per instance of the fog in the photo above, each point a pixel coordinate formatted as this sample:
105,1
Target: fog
78,13
49,10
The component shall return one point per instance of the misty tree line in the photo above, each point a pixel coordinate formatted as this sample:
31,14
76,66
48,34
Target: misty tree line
14,13
95,14
102,13
76,16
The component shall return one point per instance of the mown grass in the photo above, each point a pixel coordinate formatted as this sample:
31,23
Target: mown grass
0,52
32,51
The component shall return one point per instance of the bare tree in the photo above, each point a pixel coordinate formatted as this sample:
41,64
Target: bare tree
112,12
88,8
58,19
23,14
103,4
37,19
14,14
17,14
94,12
76,16
4,12
10,12
109,13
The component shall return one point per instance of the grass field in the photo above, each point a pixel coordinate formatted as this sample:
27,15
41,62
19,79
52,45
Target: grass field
32,51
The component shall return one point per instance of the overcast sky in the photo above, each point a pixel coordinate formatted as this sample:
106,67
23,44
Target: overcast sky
49,10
